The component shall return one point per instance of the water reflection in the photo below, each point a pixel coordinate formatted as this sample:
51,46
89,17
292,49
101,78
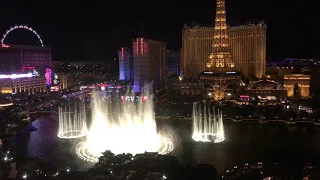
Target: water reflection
44,143
244,143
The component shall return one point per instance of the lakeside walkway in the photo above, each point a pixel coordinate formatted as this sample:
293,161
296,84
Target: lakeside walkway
256,121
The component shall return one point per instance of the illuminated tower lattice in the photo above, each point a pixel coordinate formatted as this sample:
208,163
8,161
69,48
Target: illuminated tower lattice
218,91
220,59
220,69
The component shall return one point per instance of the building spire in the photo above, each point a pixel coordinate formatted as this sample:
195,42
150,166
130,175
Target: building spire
220,58
141,32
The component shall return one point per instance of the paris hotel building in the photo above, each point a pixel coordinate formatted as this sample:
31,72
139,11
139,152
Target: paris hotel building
247,43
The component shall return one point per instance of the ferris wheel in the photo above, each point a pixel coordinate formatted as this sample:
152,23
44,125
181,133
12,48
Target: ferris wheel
20,27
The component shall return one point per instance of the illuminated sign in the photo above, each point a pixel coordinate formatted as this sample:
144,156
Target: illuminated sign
4,46
134,98
54,88
48,76
244,96
86,87
29,68
15,76
55,79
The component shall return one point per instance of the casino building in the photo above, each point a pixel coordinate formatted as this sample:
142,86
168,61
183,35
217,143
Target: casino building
25,69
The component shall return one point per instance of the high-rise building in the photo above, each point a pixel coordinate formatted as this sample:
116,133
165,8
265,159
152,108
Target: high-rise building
125,64
17,58
173,62
248,47
149,62
247,44
196,48
25,69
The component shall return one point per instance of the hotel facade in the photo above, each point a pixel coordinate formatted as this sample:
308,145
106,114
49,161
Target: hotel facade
25,69
247,44
149,62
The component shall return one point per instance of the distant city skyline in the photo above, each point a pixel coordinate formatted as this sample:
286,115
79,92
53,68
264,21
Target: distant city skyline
95,31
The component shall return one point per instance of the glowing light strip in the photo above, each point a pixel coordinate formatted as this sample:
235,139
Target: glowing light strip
141,41
137,46
122,53
15,76
21,27
5,105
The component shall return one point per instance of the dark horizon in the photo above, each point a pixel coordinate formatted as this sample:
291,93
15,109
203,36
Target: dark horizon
96,30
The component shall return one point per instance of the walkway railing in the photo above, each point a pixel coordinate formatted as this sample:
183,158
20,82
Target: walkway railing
247,120
42,112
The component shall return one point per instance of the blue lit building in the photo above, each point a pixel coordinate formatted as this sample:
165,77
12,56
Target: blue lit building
173,62
149,62
125,64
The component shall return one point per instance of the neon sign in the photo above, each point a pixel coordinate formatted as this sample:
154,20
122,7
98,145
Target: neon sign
244,96
48,76
5,46
134,98
24,68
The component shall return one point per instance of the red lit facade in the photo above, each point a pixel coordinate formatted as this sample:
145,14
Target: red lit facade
140,46
149,62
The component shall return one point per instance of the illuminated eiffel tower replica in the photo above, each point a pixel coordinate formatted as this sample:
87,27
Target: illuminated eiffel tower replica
220,68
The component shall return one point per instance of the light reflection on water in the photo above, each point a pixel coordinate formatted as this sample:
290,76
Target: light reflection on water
44,143
244,143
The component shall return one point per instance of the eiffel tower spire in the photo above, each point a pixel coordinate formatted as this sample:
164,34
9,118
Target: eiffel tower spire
220,59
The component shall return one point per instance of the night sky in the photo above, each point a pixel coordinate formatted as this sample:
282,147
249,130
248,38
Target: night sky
93,30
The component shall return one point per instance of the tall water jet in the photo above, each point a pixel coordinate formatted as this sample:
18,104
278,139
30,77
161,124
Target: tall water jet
72,121
125,127
207,124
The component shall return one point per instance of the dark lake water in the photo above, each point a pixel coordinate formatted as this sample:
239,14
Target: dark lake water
292,145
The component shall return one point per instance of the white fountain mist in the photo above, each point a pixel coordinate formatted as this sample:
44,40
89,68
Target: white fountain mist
72,121
207,124
126,127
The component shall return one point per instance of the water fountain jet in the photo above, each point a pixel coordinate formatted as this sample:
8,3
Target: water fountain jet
128,127
72,121
207,124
